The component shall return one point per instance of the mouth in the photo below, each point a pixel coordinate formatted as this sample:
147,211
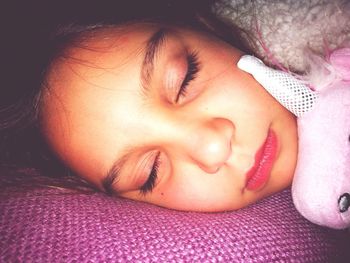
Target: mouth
259,174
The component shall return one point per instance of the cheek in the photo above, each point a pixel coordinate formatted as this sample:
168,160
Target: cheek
236,96
200,192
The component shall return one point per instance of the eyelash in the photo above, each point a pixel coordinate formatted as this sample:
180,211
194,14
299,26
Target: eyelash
148,186
193,67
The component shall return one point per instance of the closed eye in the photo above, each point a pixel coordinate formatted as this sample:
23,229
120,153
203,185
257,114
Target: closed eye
148,186
193,67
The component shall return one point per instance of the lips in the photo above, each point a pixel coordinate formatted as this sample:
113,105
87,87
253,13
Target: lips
259,174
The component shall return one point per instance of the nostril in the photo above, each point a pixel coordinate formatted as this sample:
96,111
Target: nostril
211,170
344,202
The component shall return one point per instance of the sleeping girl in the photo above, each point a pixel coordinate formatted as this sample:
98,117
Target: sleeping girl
154,108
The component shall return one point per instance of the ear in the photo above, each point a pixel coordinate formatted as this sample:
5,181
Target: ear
289,91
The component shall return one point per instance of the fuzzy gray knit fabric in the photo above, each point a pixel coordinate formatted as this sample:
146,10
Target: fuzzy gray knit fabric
290,28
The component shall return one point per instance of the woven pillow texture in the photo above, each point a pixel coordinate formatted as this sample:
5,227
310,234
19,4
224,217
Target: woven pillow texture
48,224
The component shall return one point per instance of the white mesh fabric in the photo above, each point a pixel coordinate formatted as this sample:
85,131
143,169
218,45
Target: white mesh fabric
289,91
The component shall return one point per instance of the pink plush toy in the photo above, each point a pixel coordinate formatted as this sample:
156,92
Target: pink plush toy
321,185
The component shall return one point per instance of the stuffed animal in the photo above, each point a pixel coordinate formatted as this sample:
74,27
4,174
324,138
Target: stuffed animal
321,185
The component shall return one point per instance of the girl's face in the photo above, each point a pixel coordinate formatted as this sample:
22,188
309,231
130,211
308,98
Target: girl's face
163,115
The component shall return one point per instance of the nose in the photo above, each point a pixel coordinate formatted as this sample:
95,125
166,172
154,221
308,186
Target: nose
208,144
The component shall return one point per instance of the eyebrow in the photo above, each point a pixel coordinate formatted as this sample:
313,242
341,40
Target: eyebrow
113,174
153,47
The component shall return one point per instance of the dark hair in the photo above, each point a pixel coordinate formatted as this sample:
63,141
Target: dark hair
40,30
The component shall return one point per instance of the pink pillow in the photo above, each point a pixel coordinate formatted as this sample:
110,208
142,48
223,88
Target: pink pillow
43,224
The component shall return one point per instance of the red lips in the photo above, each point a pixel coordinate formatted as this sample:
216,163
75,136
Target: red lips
259,174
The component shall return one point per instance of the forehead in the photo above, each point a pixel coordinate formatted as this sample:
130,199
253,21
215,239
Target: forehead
96,60
103,49
88,87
